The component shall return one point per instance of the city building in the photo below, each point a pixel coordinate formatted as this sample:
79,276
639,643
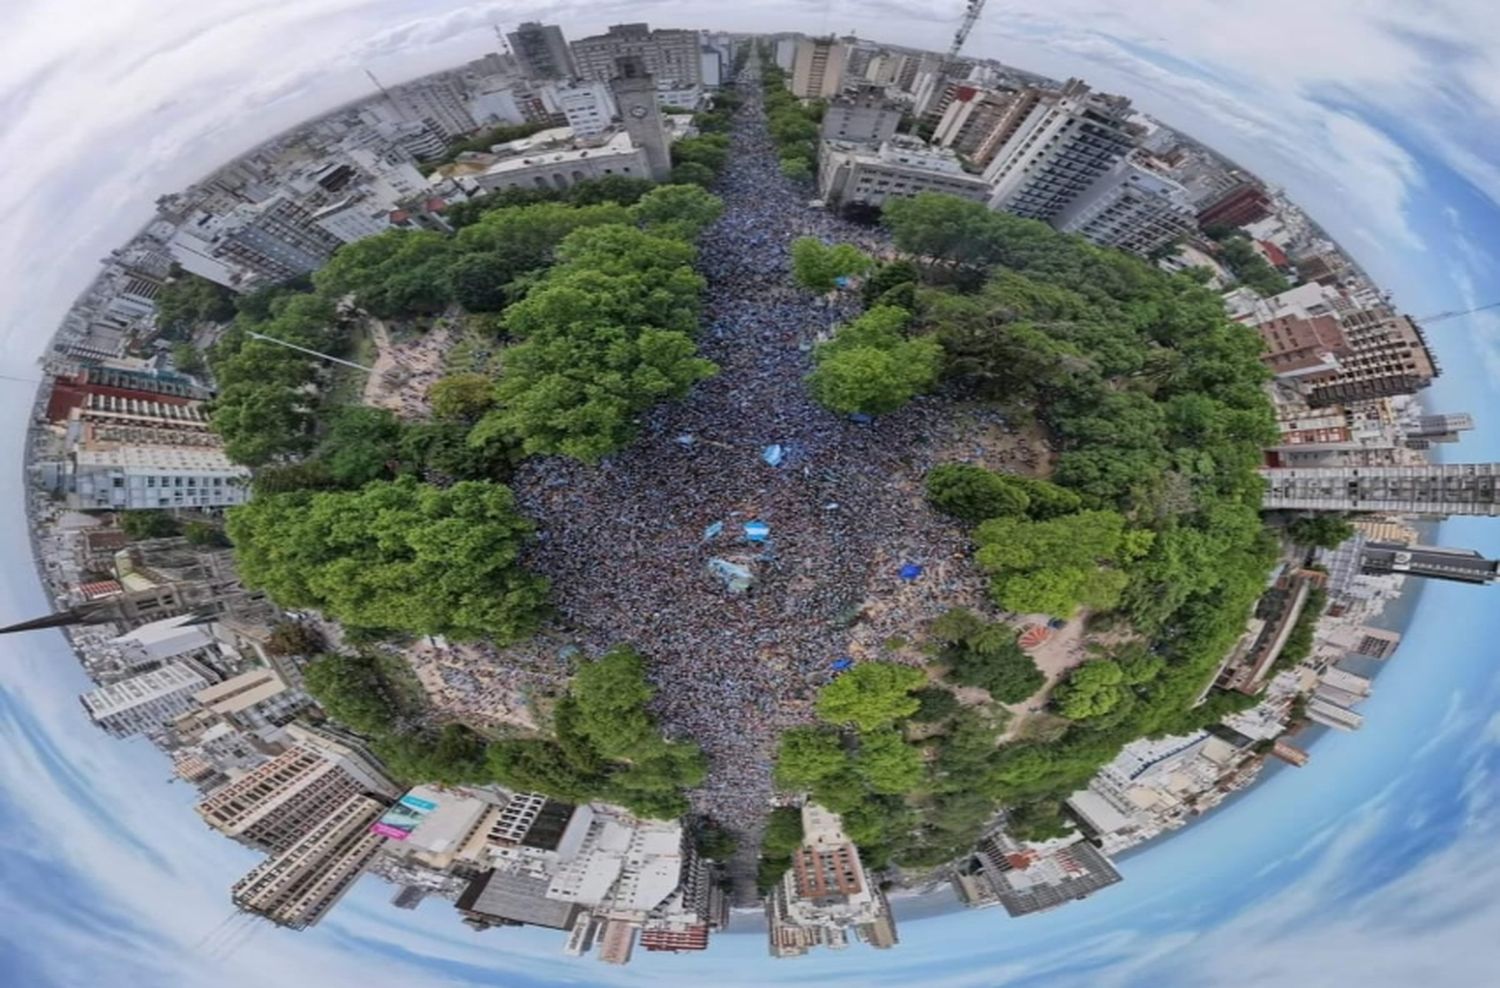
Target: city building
297,886
817,68
144,703
440,102
1241,204
275,805
1129,207
564,167
1363,640
972,118
353,218
666,54
1437,489
1068,140
1303,349
276,241
1388,356
901,167
588,106
513,898
1439,428
541,51
1429,562
254,698
826,897
862,115
110,476
635,93
1030,878
1290,754
1324,711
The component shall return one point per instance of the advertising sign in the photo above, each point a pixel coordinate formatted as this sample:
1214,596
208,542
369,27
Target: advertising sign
400,820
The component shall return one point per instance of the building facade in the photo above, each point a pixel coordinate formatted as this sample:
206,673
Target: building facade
899,168
1130,208
542,52
1438,489
1067,141
668,55
862,115
635,93
817,68
144,703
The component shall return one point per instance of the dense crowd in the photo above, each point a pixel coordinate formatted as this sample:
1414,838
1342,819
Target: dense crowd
627,544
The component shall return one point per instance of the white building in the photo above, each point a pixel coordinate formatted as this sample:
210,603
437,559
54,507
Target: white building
108,476
438,101
562,168
353,218
786,53
1066,141
1132,208
492,107
901,167
865,115
589,106
161,640
143,703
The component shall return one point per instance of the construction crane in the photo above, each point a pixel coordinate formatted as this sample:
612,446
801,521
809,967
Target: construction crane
971,15
1455,313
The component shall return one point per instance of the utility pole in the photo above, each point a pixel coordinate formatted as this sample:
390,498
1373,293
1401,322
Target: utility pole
315,353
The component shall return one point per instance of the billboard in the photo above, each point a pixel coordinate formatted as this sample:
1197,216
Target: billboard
400,820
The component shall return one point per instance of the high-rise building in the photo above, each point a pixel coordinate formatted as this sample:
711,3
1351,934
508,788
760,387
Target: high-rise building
817,68
1243,203
1429,562
1290,754
634,90
353,218
826,896
1437,489
862,115
106,475
1035,877
1363,640
1440,428
278,803
616,942
1388,357
1067,140
1330,714
542,52
146,702
1131,208
972,117
297,886
668,55
276,241
1303,349
438,101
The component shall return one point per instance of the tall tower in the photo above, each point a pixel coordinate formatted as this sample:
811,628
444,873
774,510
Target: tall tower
635,94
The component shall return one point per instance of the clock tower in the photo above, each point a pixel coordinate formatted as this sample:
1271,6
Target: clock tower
635,94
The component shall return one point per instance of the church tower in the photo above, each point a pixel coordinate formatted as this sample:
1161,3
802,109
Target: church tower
635,93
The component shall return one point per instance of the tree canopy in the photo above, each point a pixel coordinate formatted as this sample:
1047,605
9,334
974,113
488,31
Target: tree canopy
870,695
870,367
361,556
817,266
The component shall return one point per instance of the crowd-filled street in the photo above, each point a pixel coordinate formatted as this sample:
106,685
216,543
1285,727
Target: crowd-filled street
627,544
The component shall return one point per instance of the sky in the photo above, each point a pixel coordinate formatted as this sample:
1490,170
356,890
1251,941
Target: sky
1375,865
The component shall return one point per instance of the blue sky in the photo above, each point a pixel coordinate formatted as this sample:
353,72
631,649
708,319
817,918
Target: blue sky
1375,865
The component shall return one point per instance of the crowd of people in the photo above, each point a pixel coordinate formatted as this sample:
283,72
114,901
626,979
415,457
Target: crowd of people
627,544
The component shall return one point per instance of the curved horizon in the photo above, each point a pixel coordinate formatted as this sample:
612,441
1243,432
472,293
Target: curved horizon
1369,865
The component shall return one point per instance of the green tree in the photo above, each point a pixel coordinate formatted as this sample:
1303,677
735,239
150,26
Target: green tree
1055,566
973,494
187,300
870,695
139,525
392,274
692,173
680,211
357,555
937,704
363,444
188,359
987,656
461,397
1327,531
480,282
353,691
889,276
1091,690
886,763
1039,821
798,169
204,533
807,756
817,266
294,638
